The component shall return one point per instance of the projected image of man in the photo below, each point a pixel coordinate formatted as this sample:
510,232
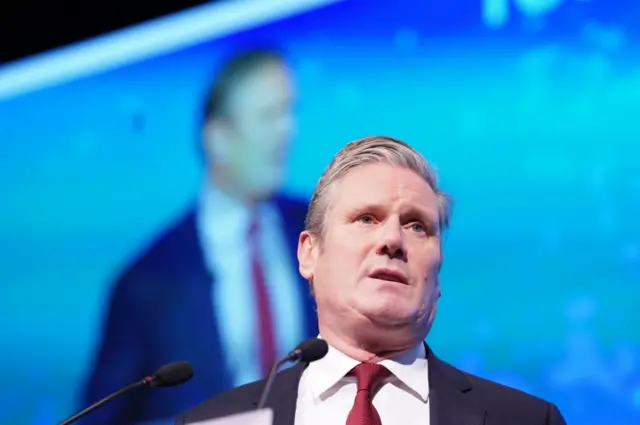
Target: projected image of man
218,288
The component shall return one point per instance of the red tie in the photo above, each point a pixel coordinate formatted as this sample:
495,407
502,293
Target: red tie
369,377
264,323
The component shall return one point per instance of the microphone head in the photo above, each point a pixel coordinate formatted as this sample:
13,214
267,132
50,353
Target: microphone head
311,350
171,374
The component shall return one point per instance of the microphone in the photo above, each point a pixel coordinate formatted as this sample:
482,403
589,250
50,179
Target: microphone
167,376
307,351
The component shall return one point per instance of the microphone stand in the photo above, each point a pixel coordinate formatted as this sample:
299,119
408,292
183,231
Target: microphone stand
99,403
294,355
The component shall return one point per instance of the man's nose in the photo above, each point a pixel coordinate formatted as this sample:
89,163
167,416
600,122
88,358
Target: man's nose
286,126
392,243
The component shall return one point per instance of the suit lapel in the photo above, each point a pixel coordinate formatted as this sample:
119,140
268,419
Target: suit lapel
449,395
284,395
197,283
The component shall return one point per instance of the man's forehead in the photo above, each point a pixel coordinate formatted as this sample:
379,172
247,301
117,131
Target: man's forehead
264,85
384,184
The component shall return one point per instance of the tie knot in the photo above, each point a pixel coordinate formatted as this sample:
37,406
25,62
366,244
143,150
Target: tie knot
369,375
254,225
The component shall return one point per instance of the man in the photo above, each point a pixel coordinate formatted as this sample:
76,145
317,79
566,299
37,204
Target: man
219,287
372,252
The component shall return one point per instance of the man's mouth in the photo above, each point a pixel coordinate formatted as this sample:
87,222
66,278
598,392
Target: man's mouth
388,274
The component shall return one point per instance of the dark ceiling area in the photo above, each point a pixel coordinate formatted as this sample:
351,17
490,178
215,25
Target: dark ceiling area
28,27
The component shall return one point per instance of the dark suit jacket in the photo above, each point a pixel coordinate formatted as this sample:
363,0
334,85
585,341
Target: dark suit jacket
161,311
455,398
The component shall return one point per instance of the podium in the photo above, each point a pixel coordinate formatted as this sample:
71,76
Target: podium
253,417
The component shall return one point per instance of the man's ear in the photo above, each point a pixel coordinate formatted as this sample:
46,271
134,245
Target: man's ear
216,139
307,254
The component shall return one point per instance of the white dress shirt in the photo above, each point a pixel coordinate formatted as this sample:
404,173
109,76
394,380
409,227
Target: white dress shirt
326,395
224,228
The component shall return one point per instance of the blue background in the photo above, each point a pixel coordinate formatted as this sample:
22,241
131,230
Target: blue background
533,125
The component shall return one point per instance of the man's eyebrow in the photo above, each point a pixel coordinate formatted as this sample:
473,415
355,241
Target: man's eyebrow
428,216
369,207
420,212
410,212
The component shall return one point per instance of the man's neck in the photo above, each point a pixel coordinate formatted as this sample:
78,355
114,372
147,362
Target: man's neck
218,179
362,350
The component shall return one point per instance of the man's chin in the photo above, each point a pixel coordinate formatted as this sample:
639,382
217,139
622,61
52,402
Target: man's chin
388,320
387,333
265,192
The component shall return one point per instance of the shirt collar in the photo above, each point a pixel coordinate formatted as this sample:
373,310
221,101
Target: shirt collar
409,369
223,218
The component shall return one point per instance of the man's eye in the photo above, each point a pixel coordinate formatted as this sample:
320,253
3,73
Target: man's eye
366,219
417,227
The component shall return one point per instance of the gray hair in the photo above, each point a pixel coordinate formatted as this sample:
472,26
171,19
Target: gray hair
369,150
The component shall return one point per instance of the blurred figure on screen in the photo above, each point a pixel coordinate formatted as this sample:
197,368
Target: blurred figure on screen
219,288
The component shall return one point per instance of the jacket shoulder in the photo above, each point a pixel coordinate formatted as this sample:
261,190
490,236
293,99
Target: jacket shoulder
511,404
168,246
502,403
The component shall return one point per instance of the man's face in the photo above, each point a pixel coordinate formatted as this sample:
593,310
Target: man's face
377,265
256,134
